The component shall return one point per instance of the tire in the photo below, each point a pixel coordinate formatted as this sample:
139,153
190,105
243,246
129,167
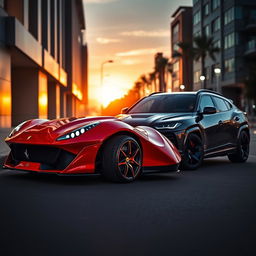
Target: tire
243,148
193,153
121,159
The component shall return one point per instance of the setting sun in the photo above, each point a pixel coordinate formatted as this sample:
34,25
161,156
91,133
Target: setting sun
113,88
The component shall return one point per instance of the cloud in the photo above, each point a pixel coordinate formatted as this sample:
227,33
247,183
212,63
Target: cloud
145,51
98,1
130,62
143,33
103,40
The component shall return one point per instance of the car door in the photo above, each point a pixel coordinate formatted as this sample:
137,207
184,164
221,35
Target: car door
209,123
224,128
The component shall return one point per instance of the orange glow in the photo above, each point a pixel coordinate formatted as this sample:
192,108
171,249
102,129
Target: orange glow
113,88
57,101
42,99
5,104
76,91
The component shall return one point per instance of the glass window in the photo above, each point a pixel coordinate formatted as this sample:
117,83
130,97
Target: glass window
196,77
195,1
216,25
197,18
206,101
170,103
216,44
207,30
220,103
229,106
229,40
176,66
239,13
215,4
206,9
229,15
207,73
1,3
176,47
175,29
253,14
198,33
229,65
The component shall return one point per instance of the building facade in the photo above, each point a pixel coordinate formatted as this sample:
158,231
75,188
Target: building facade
232,24
182,67
43,60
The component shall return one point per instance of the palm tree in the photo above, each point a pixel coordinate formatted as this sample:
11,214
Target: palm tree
160,68
202,47
145,82
152,79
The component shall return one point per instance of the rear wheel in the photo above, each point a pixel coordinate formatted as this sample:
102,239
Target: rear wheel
243,148
193,153
122,159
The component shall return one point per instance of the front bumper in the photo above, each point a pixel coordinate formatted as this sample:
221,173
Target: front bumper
52,159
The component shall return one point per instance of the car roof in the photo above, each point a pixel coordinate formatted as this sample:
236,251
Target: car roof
185,93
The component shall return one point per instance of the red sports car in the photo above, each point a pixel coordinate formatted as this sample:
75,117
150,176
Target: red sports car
104,145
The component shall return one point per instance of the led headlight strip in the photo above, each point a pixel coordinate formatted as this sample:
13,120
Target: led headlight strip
78,132
168,126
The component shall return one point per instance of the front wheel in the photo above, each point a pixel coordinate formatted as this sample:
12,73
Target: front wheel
193,153
243,148
122,159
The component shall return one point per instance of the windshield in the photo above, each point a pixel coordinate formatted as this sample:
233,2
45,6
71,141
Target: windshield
170,103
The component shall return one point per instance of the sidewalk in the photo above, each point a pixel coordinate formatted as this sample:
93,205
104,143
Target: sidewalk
4,149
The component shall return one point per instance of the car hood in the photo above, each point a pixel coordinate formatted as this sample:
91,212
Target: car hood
49,130
149,119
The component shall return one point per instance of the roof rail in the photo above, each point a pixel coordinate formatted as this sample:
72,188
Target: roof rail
210,91
154,93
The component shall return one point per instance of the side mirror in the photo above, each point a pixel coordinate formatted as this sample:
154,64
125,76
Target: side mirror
124,110
209,110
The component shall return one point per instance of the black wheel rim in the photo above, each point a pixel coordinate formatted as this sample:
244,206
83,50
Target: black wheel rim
129,159
244,145
194,151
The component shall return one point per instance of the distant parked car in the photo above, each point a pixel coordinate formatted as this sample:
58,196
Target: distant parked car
200,124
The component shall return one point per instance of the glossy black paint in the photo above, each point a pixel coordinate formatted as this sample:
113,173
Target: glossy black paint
218,128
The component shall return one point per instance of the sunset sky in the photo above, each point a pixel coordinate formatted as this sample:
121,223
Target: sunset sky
129,32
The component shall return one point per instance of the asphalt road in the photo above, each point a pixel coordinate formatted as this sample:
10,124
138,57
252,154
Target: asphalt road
211,211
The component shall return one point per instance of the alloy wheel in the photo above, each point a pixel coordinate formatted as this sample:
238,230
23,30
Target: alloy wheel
129,159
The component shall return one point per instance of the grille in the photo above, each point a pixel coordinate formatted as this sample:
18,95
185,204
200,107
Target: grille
50,158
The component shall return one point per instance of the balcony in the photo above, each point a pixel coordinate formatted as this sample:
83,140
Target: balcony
251,48
250,25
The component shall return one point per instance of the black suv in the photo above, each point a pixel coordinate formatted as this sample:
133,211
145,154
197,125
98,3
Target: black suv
200,124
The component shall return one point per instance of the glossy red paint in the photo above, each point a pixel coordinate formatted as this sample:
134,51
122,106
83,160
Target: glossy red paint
157,150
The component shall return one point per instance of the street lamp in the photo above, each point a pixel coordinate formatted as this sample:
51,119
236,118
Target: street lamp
217,72
101,70
202,78
182,87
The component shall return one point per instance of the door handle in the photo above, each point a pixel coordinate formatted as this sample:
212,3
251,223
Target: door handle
237,118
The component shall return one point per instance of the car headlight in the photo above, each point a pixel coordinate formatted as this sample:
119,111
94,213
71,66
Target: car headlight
16,129
170,126
78,132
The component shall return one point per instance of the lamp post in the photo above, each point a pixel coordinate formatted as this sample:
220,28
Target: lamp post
202,79
101,78
182,87
217,72
101,70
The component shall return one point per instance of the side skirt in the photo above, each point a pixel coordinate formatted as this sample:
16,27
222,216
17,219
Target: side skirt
156,169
